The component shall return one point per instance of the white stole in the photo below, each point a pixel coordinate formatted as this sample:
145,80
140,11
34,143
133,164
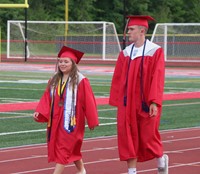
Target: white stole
70,105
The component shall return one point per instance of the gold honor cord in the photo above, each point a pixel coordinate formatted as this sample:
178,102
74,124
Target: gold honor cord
51,114
61,88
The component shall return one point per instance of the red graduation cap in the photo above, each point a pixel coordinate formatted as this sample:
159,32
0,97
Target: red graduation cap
67,52
139,20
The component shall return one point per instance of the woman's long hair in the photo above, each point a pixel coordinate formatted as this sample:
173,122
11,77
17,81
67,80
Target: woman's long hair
73,74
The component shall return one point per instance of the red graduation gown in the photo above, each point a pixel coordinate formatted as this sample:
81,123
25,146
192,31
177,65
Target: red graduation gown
138,135
64,147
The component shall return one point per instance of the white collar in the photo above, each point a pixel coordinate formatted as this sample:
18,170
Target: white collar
149,46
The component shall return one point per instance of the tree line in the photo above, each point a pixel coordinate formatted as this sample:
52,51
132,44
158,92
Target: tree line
164,11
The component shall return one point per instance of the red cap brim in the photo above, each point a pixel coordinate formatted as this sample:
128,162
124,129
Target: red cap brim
139,20
67,52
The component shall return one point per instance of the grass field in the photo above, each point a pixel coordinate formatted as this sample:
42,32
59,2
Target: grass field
19,128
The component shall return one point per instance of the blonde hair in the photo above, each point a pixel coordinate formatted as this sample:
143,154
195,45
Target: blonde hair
143,27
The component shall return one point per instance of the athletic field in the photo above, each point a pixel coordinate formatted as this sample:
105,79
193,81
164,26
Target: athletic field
22,84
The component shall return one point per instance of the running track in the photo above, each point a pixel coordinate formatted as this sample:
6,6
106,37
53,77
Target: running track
100,156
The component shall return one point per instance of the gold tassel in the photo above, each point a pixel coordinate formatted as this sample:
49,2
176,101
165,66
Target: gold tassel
73,121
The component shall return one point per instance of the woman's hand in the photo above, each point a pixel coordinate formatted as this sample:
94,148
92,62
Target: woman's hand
35,115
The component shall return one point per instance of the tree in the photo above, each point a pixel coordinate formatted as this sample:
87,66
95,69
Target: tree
10,14
82,10
192,11
111,11
103,10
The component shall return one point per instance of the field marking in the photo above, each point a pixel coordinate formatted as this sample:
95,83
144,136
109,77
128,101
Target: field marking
108,160
21,159
41,130
25,81
100,110
13,117
183,81
182,139
182,150
71,165
89,150
171,166
181,104
23,147
107,138
22,132
181,130
44,156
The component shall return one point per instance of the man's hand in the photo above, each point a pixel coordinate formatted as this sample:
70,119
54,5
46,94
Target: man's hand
35,115
153,110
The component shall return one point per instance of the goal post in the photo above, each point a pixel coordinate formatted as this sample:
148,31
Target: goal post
25,5
97,39
180,41
0,45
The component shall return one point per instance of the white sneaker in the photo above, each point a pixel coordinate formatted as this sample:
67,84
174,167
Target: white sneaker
164,170
84,172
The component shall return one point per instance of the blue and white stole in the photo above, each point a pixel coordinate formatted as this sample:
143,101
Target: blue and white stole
69,105
70,108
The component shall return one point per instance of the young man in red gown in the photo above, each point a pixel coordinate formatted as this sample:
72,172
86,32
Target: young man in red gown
137,92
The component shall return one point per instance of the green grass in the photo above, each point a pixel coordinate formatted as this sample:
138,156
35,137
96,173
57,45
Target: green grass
16,87
180,114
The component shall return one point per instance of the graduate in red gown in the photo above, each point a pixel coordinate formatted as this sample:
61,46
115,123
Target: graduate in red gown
137,91
67,103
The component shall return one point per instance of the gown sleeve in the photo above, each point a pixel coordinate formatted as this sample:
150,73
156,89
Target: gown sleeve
114,89
157,84
44,107
89,103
